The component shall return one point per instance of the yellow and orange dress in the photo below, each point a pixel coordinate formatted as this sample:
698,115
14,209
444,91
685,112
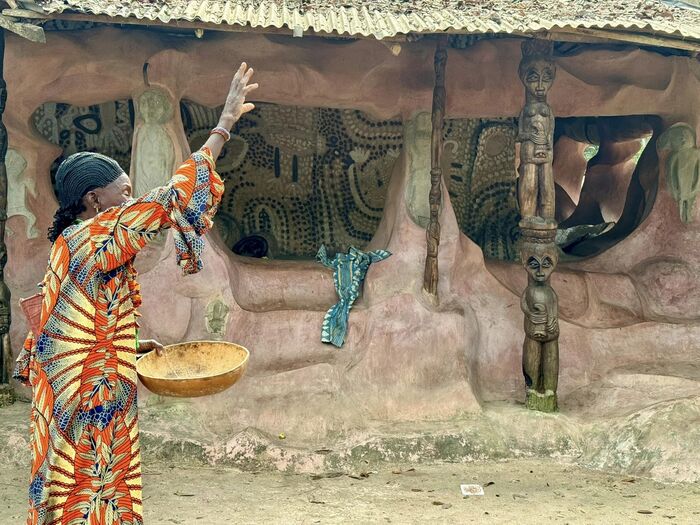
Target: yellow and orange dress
86,466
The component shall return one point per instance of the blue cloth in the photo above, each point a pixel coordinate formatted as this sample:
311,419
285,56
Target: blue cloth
349,271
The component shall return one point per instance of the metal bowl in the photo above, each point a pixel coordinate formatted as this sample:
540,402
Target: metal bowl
194,369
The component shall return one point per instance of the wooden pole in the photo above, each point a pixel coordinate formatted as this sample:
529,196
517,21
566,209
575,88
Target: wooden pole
430,276
6,354
538,251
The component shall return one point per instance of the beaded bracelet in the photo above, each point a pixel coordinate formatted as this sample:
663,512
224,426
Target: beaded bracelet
226,134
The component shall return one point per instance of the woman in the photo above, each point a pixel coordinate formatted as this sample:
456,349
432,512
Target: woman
81,364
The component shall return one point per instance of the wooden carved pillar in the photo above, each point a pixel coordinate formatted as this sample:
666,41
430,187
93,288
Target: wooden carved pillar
538,251
5,351
430,276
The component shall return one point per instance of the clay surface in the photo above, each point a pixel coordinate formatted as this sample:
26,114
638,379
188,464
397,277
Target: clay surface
404,359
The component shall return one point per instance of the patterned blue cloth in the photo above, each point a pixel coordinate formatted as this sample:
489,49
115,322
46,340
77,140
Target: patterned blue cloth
349,270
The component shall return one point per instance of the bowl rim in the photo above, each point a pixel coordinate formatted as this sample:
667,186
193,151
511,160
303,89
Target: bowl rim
242,364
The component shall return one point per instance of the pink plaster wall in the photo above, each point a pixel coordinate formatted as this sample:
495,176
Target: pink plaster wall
404,357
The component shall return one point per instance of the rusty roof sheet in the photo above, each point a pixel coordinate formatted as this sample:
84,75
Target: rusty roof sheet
386,18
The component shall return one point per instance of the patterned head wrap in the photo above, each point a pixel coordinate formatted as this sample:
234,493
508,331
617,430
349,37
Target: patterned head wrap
83,172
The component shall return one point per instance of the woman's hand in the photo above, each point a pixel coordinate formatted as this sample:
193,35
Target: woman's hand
148,345
236,105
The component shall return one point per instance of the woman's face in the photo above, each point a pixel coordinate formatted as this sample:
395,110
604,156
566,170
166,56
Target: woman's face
114,194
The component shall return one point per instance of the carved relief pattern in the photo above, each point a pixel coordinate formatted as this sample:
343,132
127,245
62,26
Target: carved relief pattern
328,180
154,156
682,167
105,128
479,166
19,186
302,177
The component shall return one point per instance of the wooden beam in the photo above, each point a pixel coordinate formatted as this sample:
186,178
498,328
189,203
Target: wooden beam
640,39
430,274
29,31
24,14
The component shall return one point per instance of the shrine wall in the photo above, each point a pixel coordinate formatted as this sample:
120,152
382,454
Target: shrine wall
403,358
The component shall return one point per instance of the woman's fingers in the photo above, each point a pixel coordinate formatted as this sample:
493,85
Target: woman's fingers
248,75
241,77
239,73
250,88
248,106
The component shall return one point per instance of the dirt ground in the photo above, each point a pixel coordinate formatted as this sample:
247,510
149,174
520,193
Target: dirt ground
516,491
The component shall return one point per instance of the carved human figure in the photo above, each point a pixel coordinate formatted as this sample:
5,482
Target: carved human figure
216,317
682,167
154,153
19,187
539,303
535,133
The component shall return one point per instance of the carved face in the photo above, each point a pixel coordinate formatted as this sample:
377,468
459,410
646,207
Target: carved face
154,107
540,267
537,75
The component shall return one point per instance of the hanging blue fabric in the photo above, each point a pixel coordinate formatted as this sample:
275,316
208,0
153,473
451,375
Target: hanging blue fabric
349,270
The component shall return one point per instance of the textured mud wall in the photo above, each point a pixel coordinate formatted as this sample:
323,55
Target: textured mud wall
634,305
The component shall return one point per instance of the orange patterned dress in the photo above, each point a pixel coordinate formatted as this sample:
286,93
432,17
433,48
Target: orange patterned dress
86,466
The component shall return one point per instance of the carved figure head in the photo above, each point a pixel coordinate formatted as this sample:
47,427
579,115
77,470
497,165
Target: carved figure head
539,259
537,70
682,167
154,106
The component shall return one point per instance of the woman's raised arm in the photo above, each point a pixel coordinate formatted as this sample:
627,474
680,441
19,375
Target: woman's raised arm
186,204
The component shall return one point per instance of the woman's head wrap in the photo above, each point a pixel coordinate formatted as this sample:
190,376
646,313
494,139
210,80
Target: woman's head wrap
83,172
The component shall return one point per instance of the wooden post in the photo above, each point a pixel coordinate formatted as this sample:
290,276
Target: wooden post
538,251
430,276
5,350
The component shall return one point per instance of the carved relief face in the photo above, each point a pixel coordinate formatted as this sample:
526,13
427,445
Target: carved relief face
540,267
537,76
154,107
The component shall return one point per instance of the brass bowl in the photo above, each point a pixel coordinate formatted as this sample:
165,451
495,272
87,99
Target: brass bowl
194,369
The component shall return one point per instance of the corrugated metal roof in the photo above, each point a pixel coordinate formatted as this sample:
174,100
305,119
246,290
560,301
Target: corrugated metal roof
386,18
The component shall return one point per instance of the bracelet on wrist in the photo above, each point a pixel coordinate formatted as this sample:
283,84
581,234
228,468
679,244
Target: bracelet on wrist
220,130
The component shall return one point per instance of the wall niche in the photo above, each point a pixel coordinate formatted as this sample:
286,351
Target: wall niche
300,177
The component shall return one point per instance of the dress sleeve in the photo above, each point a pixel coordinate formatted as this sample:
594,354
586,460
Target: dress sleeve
186,204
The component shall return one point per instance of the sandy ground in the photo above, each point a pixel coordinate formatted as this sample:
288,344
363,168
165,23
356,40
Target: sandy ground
516,491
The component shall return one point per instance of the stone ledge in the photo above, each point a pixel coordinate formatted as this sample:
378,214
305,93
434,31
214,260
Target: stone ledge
659,442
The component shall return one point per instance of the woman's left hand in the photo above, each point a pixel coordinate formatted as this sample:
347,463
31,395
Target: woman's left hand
148,345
